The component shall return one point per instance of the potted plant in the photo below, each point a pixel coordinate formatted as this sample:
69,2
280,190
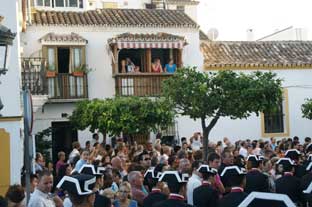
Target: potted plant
81,70
51,73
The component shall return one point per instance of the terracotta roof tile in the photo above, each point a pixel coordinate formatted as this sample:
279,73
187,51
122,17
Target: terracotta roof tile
222,54
116,17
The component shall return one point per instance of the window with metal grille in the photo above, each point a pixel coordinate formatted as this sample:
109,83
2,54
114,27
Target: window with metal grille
274,121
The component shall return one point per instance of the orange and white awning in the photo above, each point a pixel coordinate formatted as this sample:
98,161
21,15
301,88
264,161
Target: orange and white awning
160,45
138,41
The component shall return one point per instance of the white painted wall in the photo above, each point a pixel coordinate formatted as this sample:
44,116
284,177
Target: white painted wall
299,88
10,90
16,149
101,83
191,11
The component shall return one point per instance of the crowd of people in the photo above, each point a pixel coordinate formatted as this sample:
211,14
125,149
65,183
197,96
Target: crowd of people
127,66
158,175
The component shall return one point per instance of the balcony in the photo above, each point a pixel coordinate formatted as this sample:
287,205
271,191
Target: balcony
59,87
140,84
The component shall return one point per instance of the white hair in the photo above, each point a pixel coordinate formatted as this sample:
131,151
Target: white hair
133,175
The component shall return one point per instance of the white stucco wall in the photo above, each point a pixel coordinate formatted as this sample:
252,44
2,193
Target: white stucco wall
191,11
10,91
299,87
16,149
101,83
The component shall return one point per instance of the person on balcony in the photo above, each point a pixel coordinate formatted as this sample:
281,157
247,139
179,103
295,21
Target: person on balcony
129,65
170,67
156,66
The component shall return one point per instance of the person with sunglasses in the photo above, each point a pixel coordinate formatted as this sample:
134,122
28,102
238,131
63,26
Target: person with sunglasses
124,196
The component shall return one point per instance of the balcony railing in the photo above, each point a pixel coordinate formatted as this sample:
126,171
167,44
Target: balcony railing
57,86
67,86
33,75
140,84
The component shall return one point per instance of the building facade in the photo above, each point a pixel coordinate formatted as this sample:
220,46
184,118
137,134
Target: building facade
11,115
57,44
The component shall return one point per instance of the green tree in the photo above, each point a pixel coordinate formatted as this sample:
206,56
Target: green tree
127,115
209,96
306,109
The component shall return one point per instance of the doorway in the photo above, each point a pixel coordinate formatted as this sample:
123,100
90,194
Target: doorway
63,60
63,135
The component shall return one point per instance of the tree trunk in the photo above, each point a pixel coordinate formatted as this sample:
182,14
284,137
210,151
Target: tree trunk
206,132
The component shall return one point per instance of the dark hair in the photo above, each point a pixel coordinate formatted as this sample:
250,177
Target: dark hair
95,135
23,179
213,156
307,139
236,180
198,155
38,154
15,193
44,173
87,142
296,138
78,199
196,164
3,202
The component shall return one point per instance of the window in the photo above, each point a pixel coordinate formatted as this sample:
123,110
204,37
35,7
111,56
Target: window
43,3
59,3
76,57
72,3
64,59
276,123
110,5
181,8
51,58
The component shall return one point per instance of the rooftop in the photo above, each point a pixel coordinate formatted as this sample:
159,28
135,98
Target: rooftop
115,18
260,54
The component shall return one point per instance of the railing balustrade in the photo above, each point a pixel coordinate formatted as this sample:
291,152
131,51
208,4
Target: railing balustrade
140,84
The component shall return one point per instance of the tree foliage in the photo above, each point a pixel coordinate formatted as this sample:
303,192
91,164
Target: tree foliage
306,109
222,94
128,115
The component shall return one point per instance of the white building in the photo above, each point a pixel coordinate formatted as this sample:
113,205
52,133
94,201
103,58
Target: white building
56,43
291,60
11,119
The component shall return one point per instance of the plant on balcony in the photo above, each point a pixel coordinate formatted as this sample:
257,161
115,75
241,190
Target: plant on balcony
127,115
81,70
50,72
306,109
210,96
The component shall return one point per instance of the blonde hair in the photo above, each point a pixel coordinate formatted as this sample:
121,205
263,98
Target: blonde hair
128,186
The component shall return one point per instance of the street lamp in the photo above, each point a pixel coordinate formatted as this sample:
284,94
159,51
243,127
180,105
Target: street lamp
6,41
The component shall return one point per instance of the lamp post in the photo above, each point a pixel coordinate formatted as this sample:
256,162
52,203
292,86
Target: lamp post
6,41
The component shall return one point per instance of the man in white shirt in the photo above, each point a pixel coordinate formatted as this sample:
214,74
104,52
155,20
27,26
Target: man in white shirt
193,182
41,196
243,149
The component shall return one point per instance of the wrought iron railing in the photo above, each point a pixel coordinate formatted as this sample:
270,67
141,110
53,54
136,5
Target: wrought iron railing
140,84
57,86
33,75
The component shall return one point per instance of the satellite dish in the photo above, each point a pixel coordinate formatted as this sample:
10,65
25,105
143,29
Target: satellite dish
213,33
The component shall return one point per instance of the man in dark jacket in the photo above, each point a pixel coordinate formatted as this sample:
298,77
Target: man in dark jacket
205,195
236,177
177,186
151,178
288,184
255,179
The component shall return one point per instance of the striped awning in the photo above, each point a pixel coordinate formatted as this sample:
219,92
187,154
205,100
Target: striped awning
138,45
137,41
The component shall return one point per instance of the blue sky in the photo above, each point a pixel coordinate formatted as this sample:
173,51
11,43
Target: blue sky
232,18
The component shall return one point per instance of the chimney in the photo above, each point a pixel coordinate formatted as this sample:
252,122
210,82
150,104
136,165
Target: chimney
250,35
